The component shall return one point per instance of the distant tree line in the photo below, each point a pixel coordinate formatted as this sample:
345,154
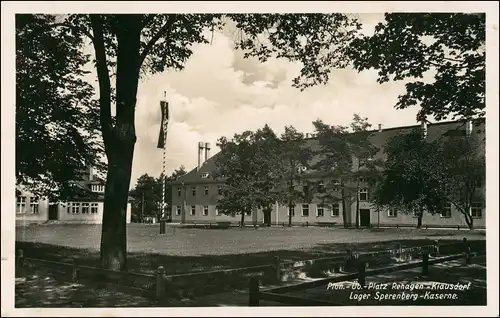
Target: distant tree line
411,173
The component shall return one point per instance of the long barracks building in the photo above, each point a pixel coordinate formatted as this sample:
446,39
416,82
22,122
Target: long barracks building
194,197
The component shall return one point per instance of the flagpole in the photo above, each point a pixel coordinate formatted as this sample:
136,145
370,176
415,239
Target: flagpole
164,107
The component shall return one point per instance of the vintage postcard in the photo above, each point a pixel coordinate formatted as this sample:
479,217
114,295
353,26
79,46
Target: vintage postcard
250,158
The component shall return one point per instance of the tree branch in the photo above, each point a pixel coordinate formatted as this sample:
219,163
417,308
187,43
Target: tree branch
74,28
104,82
164,29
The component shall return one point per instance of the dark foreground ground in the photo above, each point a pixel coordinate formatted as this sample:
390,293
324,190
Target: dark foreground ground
190,250
42,289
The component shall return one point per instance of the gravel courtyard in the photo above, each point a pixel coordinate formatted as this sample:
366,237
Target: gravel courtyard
143,238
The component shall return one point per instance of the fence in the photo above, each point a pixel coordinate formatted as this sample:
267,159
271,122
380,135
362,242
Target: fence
162,286
278,294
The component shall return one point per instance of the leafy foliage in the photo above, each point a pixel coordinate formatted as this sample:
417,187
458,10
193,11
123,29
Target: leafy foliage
463,164
319,41
57,132
407,46
147,192
412,177
347,155
250,166
295,159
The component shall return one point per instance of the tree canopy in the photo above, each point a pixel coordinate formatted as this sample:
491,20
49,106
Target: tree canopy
408,46
57,120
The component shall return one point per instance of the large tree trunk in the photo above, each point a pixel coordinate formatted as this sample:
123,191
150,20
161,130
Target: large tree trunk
469,220
242,221
119,139
357,205
344,209
419,219
267,215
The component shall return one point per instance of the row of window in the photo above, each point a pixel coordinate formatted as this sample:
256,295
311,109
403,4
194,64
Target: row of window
363,193
82,208
97,188
21,205
476,211
320,211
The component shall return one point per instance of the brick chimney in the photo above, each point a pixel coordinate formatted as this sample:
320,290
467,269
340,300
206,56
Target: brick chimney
207,151
200,153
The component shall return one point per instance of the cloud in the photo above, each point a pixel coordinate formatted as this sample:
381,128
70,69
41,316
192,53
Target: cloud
220,93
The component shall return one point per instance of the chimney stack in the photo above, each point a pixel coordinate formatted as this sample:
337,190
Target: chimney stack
207,151
468,128
379,127
200,153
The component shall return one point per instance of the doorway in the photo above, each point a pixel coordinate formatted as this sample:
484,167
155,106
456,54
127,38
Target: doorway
53,212
364,217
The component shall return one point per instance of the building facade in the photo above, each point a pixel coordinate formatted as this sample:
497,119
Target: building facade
87,209
194,196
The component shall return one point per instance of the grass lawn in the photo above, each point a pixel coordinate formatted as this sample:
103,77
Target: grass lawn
189,250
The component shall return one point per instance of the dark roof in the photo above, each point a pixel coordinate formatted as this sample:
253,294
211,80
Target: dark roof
378,139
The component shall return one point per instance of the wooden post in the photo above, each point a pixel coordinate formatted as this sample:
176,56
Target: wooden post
20,264
160,282
425,264
307,223
468,254
253,292
458,227
76,272
436,248
348,260
277,267
362,274
400,251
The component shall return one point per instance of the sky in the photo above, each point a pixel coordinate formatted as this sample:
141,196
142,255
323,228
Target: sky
219,93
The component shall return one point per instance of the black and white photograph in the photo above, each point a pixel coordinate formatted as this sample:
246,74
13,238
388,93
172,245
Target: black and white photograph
187,158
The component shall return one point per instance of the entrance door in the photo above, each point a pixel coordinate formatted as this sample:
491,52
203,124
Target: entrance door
364,217
53,211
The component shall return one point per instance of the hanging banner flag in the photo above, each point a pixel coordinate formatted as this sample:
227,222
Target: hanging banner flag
164,119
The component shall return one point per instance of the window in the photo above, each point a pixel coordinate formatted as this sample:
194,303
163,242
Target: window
219,189
193,210
362,179
205,210
320,211
291,210
75,208
477,210
85,208
321,187
336,184
21,204
363,194
446,213
178,210
204,175
335,209
94,208
392,213
179,192
248,213
305,209
206,190
193,191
